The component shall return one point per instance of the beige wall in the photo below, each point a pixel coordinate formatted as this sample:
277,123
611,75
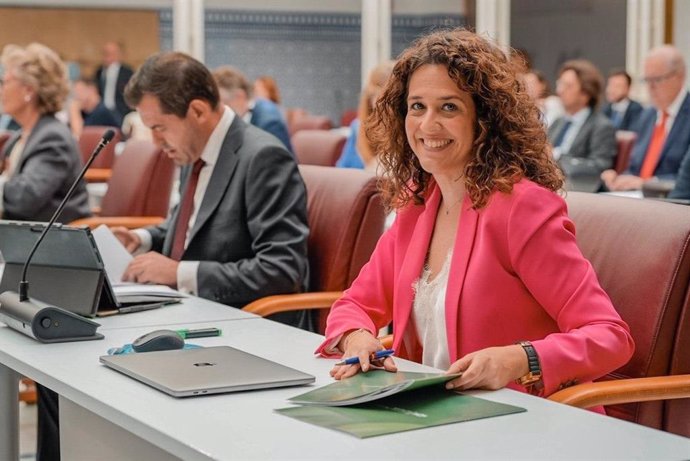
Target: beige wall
79,34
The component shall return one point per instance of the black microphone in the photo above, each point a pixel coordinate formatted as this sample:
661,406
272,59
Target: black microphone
21,308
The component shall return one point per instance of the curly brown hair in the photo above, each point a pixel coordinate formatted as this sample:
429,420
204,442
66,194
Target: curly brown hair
510,141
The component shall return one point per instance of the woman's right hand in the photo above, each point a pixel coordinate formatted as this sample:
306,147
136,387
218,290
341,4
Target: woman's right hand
362,344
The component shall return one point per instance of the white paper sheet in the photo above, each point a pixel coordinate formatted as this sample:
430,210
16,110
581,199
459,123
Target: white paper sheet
115,256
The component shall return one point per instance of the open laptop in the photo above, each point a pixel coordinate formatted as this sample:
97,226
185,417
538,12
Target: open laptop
207,370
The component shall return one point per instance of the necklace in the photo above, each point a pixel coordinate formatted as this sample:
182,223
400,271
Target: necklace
451,206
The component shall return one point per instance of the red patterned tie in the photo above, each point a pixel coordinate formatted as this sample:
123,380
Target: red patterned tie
185,213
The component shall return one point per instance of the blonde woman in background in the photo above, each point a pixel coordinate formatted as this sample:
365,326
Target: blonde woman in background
42,158
357,152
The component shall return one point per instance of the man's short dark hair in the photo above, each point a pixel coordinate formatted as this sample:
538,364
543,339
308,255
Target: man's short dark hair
620,71
175,79
589,77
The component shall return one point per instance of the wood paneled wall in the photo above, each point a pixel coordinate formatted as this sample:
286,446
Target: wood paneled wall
78,34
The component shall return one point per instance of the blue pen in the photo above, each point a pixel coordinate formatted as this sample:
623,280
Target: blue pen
375,356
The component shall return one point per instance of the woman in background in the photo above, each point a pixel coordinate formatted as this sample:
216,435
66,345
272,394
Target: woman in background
357,152
266,87
42,158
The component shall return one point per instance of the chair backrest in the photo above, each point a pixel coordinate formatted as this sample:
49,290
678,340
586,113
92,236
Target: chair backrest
346,219
318,147
625,141
348,116
677,412
639,250
89,140
141,182
304,121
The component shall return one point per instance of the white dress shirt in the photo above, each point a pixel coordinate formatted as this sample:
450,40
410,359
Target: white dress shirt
429,313
110,73
187,270
618,110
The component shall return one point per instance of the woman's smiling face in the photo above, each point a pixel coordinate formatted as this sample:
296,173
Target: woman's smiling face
440,121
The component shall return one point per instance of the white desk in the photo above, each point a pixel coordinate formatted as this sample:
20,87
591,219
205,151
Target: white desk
103,410
191,310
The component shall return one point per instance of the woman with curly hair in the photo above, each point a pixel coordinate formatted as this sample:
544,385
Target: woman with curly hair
480,273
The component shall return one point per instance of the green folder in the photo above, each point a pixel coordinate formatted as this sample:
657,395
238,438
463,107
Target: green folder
423,403
365,387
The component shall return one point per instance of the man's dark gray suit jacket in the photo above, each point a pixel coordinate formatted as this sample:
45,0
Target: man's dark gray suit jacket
592,151
49,164
251,231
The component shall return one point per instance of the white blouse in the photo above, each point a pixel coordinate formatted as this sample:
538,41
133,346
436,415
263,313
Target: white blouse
429,311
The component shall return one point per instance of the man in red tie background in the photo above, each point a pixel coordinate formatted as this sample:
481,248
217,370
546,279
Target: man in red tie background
664,129
240,230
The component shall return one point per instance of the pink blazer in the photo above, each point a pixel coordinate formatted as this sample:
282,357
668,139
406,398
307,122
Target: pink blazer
516,274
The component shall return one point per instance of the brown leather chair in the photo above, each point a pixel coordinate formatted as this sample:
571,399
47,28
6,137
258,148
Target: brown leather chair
348,116
318,147
677,412
89,140
346,218
640,251
305,121
625,141
139,190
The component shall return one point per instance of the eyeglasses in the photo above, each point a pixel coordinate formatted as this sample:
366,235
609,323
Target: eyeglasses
659,79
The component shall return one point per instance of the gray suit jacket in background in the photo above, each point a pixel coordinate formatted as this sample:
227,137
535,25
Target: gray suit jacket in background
251,231
49,164
592,152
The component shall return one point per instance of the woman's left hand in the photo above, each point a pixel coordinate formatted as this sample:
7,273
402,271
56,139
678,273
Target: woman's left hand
491,368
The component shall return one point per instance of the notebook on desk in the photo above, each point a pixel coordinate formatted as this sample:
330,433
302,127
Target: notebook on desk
207,370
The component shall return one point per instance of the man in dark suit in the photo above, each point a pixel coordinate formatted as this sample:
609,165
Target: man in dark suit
93,111
664,129
620,109
240,230
112,77
583,140
236,93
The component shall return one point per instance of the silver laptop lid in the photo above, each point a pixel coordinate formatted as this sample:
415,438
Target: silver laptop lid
207,370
